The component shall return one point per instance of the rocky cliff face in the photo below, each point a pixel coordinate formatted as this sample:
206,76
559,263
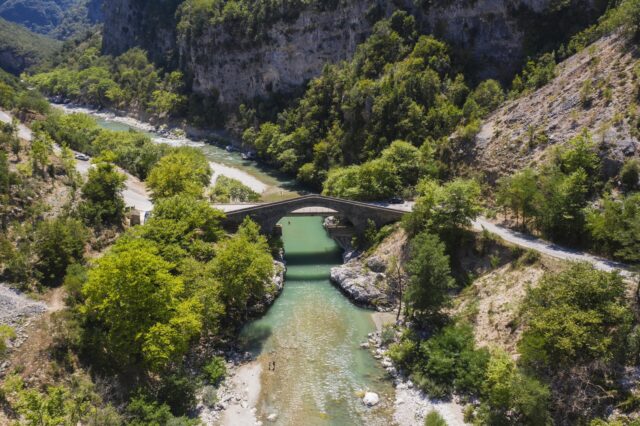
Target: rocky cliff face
488,34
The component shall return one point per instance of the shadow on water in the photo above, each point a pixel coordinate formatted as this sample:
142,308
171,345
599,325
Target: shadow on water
255,337
327,257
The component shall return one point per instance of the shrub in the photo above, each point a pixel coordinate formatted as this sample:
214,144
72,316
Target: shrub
448,361
434,419
510,397
215,370
209,396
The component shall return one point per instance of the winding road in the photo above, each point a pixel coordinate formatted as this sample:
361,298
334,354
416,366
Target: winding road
136,196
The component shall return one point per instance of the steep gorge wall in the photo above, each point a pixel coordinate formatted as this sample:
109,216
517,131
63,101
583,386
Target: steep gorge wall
489,34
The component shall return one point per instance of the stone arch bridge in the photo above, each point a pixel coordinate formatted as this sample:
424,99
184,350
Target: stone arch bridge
267,215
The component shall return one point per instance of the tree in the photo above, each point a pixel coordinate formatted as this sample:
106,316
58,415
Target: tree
560,213
182,225
102,203
519,193
446,210
615,227
59,243
406,159
135,310
244,267
575,317
630,175
373,180
231,190
429,277
41,149
184,171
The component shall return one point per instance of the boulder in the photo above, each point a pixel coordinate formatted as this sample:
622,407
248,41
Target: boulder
370,399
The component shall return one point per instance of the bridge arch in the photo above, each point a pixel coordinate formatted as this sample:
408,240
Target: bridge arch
267,215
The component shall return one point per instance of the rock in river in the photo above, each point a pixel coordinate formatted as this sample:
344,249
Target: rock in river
370,399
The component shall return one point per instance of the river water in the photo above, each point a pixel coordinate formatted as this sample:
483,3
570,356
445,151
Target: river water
313,369
313,334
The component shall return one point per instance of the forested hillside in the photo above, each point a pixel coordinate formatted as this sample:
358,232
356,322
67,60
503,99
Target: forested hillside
21,48
58,19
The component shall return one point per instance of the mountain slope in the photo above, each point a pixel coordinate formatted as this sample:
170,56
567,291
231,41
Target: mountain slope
20,48
596,89
56,18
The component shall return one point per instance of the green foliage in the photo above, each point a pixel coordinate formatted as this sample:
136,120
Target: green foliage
59,243
244,267
6,333
446,210
75,277
575,317
429,277
519,193
556,196
246,20
511,397
227,190
215,370
184,171
129,80
22,47
102,203
133,151
434,419
534,75
135,309
615,227
446,362
373,180
144,412
181,224
57,405
630,175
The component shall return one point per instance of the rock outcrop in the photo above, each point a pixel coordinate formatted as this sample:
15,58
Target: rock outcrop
490,33
365,278
363,285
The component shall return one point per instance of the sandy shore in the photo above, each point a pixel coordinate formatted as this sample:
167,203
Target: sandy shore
237,174
245,384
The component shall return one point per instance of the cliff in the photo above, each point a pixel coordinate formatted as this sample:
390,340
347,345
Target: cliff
488,35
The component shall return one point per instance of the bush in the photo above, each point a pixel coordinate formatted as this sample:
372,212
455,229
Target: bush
215,370
228,190
510,397
209,396
448,362
434,419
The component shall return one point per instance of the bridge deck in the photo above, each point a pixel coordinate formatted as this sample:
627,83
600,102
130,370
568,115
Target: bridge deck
308,211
